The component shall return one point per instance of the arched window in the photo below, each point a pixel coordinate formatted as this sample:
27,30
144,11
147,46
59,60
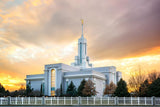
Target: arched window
53,78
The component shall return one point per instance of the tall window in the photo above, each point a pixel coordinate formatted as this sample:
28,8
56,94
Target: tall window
80,53
85,49
53,77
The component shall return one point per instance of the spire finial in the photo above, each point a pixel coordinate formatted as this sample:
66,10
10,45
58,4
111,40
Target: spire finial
82,26
82,21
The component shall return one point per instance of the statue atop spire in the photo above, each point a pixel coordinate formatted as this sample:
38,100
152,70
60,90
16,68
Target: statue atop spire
82,21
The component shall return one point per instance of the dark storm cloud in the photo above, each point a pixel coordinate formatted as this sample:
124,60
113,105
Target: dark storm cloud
137,31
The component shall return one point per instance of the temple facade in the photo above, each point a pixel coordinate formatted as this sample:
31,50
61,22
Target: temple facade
59,74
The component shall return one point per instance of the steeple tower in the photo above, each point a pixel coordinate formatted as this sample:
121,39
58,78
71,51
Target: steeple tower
82,27
82,60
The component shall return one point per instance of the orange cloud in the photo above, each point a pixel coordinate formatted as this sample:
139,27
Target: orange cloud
130,65
153,51
147,52
10,80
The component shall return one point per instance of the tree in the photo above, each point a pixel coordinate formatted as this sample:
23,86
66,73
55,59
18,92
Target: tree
7,93
106,91
71,90
154,88
89,89
81,87
143,90
153,76
61,91
58,92
121,90
28,89
41,90
109,90
35,93
2,90
135,81
22,90
15,93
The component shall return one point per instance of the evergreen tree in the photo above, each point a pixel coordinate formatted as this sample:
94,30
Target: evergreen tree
71,90
2,90
121,90
89,89
15,93
7,93
154,88
41,90
21,91
143,89
61,91
81,87
28,89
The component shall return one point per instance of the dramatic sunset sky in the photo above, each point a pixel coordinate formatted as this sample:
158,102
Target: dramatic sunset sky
121,33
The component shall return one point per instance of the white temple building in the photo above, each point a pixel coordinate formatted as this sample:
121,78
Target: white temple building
57,74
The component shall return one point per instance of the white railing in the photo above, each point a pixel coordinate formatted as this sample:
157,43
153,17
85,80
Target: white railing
97,100
61,100
3,101
25,100
157,101
135,101
79,100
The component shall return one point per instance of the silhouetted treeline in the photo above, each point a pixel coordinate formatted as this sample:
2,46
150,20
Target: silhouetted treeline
3,92
144,87
21,92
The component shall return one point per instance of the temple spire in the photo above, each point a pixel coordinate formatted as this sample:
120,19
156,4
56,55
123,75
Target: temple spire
82,27
82,60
